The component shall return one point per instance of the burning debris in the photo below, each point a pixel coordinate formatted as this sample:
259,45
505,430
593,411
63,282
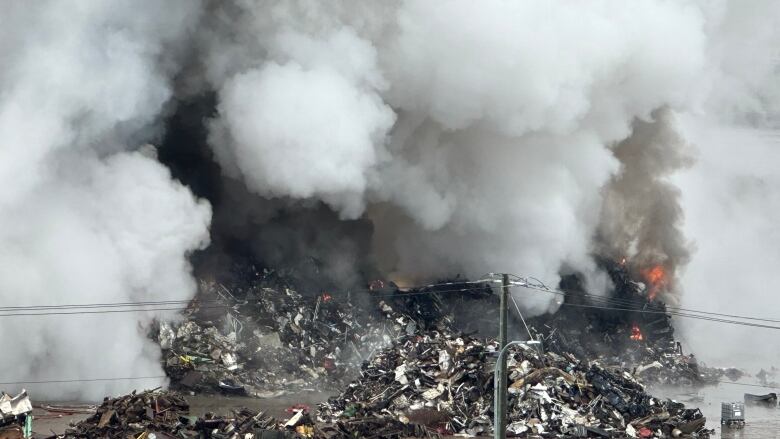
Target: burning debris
265,338
631,329
444,381
656,279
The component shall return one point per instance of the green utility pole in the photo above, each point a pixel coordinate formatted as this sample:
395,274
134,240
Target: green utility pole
501,378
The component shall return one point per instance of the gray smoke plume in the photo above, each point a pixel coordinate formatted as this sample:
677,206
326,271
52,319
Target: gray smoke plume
85,219
641,222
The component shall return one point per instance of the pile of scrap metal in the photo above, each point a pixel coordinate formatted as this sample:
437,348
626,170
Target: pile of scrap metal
15,416
270,339
266,338
444,381
628,329
161,414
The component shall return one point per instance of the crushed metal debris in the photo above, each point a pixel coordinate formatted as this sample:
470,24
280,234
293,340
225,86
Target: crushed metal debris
157,414
445,382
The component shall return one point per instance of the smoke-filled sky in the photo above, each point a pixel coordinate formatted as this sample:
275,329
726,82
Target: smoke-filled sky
429,138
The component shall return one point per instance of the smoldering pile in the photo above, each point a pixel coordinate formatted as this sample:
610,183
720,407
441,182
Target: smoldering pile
445,381
264,338
629,329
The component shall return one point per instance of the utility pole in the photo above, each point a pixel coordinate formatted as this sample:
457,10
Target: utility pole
503,311
501,375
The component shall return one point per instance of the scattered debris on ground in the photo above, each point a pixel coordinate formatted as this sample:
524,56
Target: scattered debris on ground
162,414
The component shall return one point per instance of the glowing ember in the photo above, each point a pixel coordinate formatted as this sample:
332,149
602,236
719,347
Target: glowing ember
326,297
376,285
636,333
656,278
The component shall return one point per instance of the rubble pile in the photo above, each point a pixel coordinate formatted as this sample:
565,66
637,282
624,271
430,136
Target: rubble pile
266,337
616,332
162,414
445,382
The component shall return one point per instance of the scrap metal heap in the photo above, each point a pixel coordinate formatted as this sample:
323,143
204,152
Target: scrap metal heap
162,414
444,380
629,329
264,338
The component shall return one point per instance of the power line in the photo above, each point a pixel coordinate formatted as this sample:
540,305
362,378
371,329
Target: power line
72,309
605,303
747,384
95,305
651,311
82,380
104,311
693,316
540,286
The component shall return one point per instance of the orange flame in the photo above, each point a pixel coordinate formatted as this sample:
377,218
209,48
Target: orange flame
326,297
656,277
636,333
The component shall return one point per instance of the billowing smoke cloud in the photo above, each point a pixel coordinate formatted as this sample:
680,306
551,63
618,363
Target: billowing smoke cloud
474,136
84,218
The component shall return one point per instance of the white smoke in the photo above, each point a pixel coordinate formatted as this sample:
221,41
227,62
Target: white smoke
729,196
732,206
83,219
504,113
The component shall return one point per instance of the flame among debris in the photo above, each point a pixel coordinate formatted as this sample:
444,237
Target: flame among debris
636,333
656,278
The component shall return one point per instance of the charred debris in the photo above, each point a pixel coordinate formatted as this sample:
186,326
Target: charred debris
157,414
258,336
264,338
445,382
419,362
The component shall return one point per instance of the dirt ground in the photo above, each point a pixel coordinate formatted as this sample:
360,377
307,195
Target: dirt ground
46,425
